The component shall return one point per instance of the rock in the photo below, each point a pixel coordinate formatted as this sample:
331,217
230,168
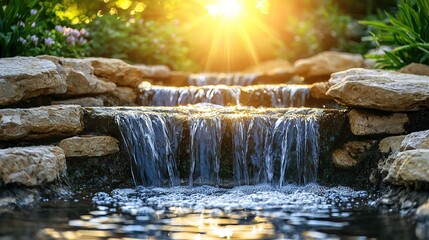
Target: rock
416,140
32,166
89,146
26,77
155,71
42,122
80,78
175,79
422,221
416,68
118,71
83,102
326,63
409,167
122,96
272,67
318,90
378,89
351,153
391,145
366,123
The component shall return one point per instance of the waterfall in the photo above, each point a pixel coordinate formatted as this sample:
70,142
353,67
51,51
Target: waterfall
205,148
264,146
230,79
152,141
260,95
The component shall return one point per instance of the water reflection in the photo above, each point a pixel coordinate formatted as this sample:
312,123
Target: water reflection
246,212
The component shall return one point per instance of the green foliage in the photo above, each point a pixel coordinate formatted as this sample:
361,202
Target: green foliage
139,41
321,27
407,31
29,28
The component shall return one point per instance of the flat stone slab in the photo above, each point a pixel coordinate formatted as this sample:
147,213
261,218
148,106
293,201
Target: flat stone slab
32,166
124,74
326,63
80,77
42,122
89,146
363,123
26,77
379,89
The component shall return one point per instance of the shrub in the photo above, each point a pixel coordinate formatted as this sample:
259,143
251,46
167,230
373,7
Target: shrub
407,32
321,27
139,41
28,28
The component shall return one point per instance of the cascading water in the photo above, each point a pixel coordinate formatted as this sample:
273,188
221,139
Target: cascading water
260,95
205,148
264,146
152,141
240,79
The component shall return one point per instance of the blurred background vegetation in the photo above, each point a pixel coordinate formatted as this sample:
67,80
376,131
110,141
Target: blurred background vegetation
182,35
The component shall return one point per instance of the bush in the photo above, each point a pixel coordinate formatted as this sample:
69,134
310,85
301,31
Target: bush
407,32
139,41
322,27
31,27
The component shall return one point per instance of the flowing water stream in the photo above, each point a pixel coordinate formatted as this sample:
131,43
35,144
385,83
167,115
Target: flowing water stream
208,171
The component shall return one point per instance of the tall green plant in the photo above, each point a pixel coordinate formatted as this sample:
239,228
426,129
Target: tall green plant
407,31
32,27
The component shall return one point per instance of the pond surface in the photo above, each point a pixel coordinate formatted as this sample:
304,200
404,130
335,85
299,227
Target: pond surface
246,212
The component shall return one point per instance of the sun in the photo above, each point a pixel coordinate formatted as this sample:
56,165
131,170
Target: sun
225,8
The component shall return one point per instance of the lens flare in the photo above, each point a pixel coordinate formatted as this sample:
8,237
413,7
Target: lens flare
225,8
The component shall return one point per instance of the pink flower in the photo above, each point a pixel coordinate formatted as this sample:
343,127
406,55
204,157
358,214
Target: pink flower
83,32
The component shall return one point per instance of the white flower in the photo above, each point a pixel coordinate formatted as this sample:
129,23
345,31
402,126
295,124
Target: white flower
33,11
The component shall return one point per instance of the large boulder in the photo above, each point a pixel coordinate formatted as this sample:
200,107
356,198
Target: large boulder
32,166
42,122
89,146
378,89
363,123
26,77
416,140
408,163
326,63
79,77
409,167
122,73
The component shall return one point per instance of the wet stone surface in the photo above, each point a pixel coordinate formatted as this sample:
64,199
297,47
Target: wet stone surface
246,212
